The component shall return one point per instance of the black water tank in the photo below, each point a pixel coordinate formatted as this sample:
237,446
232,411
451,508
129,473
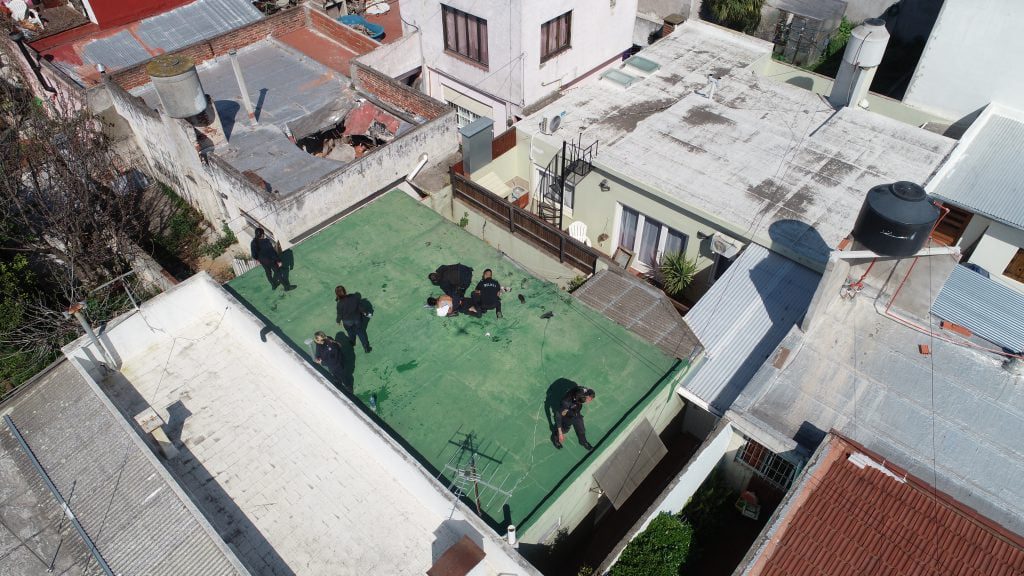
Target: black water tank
895,219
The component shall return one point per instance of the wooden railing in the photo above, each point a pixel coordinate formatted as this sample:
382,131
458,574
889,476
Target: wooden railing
521,222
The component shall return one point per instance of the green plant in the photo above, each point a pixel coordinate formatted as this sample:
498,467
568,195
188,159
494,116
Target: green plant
585,570
675,273
218,246
710,508
830,58
464,221
575,283
741,15
657,551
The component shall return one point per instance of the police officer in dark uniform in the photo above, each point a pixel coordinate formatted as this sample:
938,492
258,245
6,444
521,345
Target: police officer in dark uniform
571,414
454,280
487,295
352,314
265,253
328,355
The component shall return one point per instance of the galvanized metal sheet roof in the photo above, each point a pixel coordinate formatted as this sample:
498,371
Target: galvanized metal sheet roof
137,520
742,319
116,51
167,32
989,309
195,22
988,176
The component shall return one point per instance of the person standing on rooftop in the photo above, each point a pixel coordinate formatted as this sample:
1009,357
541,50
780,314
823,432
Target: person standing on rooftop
352,313
264,251
328,355
571,415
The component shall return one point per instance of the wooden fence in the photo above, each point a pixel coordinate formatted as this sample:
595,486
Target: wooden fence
535,230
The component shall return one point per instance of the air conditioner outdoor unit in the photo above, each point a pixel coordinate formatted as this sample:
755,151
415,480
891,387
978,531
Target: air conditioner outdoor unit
725,246
550,123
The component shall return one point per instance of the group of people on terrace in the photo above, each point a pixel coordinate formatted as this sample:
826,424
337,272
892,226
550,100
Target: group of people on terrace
454,280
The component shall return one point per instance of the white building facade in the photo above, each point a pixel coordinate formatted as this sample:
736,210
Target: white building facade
494,59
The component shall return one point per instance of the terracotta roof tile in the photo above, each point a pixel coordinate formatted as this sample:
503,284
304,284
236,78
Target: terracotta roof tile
853,520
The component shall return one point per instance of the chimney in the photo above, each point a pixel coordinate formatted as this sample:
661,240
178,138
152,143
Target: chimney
863,54
671,21
241,86
476,144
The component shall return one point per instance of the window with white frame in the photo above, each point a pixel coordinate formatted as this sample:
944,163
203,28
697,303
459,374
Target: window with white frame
463,115
775,469
648,238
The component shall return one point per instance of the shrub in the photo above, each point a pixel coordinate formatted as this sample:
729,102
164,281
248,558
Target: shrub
741,15
217,247
675,273
657,551
575,283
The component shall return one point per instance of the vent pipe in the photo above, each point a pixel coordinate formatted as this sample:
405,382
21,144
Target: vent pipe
863,54
241,86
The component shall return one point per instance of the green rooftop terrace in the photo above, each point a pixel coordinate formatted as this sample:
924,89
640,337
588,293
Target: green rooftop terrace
442,384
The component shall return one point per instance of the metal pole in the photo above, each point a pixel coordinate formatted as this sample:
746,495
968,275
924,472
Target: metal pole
76,311
561,188
56,494
241,85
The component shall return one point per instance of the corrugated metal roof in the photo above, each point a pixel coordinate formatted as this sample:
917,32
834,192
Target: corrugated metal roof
136,519
988,177
167,32
742,319
641,308
988,308
116,51
196,21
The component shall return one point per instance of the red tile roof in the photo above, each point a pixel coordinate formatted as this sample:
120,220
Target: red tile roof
851,520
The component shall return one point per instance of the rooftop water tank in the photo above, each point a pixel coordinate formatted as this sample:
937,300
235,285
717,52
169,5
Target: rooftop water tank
895,219
177,85
867,43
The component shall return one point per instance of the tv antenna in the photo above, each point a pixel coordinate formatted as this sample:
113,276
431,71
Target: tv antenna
473,472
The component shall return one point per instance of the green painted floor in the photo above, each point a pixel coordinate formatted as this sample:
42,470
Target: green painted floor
438,381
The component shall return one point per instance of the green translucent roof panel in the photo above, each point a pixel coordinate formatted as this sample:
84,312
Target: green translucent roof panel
437,380
619,77
641,63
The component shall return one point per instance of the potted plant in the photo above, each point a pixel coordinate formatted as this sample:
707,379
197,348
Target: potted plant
674,273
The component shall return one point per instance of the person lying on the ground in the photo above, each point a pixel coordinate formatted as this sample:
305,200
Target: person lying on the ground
453,279
443,305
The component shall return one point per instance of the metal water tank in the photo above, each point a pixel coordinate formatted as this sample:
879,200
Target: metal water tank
895,219
867,43
177,85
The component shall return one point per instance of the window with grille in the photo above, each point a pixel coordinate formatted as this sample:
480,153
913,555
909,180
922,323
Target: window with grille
773,468
1015,270
465,34
463,115
555,36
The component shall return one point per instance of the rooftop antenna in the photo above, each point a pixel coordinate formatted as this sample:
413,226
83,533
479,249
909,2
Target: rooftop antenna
466,474
712,85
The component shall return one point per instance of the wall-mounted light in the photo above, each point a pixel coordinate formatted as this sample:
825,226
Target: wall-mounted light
604,185
704,235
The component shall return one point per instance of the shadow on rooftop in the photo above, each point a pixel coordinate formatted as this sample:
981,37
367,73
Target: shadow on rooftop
233,526
228,112
799,237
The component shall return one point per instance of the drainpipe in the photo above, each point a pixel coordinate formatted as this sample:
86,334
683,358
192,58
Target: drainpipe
19,39
241,85
76,311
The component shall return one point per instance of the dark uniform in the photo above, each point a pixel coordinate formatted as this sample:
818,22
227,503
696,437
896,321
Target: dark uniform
486,296
263,251
352,314
329,356
454,280
570,414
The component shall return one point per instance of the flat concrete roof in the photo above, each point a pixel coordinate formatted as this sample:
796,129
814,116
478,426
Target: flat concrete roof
773,161
292,475
953,417
437,380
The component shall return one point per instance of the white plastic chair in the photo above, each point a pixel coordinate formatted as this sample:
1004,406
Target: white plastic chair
578,232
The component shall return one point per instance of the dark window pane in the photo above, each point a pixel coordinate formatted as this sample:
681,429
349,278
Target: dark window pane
627,232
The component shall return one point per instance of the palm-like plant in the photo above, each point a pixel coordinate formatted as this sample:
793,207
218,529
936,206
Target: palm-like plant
675,273
742,15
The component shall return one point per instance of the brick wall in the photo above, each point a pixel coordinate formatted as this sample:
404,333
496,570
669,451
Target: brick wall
324,24
276,25
395,93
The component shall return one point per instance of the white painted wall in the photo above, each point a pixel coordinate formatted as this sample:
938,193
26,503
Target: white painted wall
969,59
998,245
515,77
